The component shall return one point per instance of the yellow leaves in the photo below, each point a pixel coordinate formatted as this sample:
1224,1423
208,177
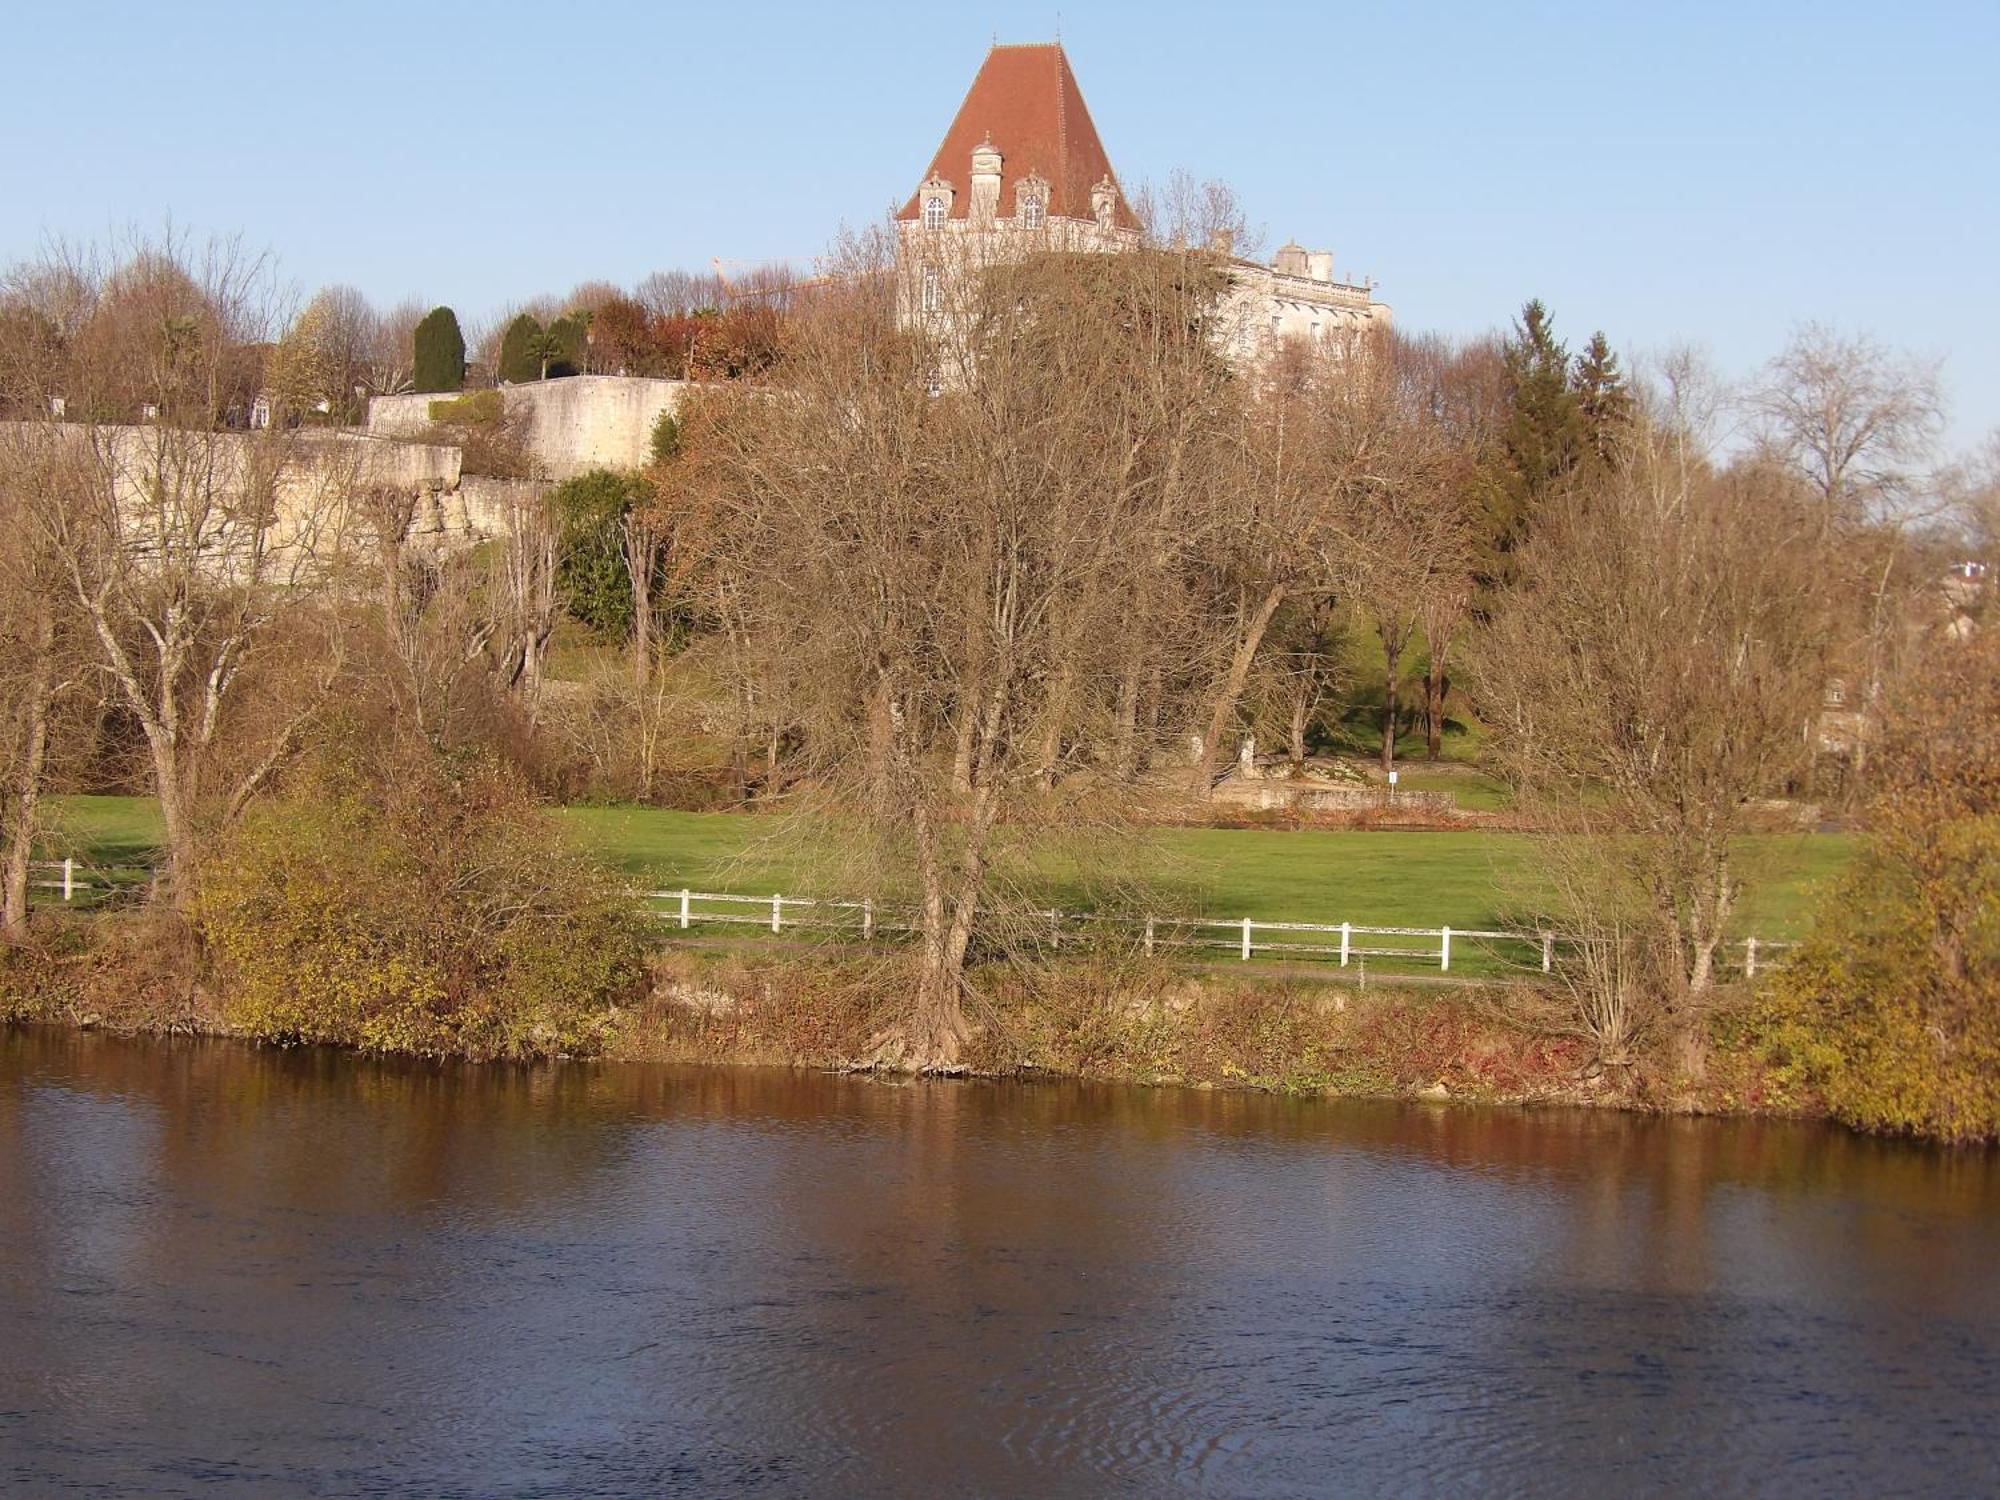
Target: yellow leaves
461,927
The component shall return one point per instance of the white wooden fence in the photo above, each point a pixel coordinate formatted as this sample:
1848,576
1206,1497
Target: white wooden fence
78,881
1245,937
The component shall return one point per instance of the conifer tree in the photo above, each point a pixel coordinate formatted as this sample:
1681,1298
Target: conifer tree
439,352
519,361
1542,440
1604,402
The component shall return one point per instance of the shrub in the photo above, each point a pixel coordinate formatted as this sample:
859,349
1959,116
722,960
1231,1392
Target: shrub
475,407
666,441
590,567
436,911
439,352
1892,1009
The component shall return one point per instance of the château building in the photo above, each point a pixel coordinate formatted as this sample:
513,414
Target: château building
1022,169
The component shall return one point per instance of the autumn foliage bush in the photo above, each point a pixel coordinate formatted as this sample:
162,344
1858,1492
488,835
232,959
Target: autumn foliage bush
434,911
1891,1012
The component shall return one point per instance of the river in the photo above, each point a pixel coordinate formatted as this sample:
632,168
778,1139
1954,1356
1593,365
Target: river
226,1270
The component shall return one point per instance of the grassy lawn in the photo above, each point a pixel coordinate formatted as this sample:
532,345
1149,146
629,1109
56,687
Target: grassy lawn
1459,879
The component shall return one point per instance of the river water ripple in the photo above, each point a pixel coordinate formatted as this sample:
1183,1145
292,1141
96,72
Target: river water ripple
229,1271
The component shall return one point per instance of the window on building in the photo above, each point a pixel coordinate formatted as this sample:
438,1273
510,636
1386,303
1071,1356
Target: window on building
1315,331
933,290
934,213
1275,324
1034,210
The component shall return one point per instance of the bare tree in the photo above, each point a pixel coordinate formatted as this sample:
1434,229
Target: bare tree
41,653
1648,682
1859,424
185,542
1856,421
1183,213
941,583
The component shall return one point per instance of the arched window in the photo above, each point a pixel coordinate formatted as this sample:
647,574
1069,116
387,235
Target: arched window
934,212
933,290
1034,210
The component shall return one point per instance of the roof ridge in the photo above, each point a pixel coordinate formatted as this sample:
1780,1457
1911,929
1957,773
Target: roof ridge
1062,118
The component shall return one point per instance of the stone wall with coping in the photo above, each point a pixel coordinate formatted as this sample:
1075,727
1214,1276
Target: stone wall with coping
571,425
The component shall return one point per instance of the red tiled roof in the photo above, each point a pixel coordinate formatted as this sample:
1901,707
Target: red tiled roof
1026,101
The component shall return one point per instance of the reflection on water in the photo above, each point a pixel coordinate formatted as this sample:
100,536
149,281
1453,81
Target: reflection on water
234,1271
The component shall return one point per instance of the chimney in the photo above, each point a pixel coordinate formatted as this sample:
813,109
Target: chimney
1223,243
1319,265
985,181
1291,260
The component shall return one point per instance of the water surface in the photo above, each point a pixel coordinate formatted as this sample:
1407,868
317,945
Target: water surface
231,1271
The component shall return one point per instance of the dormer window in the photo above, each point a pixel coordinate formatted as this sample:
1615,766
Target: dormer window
1031,201
934,212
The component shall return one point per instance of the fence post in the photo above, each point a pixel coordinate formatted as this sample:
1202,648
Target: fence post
1246,939
777,912
686,898
1444,948
1548,951
1346,929
1750,959
69,878
1149,937
867,918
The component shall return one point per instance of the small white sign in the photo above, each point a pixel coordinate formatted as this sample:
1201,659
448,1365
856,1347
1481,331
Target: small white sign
1392,777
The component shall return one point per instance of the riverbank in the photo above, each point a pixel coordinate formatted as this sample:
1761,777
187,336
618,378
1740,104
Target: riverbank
1143,1023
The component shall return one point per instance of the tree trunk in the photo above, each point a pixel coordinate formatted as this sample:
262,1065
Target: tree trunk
27,788
1125,722
1248,639
642,632
177,818
1050,750
1434,690
1301,711
642,560
961,753
1393,651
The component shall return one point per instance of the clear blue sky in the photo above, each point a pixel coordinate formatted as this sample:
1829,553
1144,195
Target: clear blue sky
1704,172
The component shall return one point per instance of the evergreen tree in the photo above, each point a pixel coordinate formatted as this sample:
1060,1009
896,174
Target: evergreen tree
439,353
1543,438
519,362
569,339
1604,402
590,563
